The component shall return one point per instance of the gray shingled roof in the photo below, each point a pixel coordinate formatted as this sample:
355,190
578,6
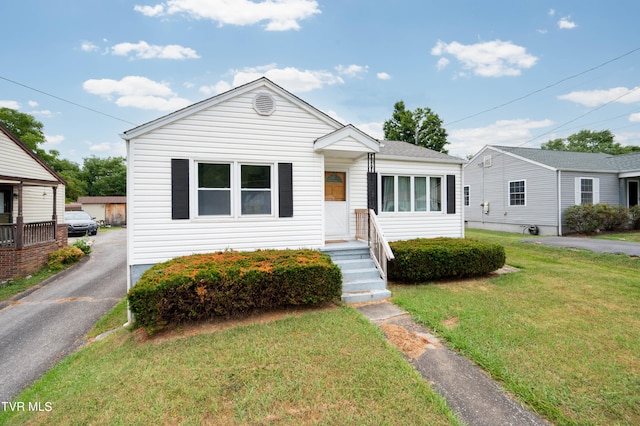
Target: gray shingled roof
567,160
408,150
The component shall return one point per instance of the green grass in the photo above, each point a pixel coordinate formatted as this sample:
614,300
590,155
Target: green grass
113,320
18,285
633,236
313,367
563,333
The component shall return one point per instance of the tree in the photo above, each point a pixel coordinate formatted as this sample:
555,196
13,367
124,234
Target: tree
421,127
24,126
105,176
590,141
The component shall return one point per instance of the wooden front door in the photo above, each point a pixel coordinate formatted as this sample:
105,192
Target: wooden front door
335,205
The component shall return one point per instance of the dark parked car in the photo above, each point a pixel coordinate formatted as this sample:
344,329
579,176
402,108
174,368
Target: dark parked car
80,223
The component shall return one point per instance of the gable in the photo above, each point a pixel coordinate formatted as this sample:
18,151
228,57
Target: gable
264,102
19,163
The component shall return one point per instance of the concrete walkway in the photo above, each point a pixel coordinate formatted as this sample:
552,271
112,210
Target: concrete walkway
469,391
592,244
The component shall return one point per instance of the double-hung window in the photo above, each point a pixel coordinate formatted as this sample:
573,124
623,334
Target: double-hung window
467,201
214,189
517,193
411,193
226,189
586,191
255,189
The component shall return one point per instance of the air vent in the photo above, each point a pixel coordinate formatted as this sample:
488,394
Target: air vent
264,104
487,161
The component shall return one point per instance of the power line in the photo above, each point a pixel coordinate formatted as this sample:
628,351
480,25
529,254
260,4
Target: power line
68,101
545,88
582,115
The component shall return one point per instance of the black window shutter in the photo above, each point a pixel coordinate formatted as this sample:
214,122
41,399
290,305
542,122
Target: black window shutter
451,194
285,189
179,188
372,191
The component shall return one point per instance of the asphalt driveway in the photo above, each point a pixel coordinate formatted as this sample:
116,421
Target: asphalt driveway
592,244
40,329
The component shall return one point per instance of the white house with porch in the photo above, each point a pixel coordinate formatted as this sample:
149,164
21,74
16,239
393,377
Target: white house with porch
31,205
257,167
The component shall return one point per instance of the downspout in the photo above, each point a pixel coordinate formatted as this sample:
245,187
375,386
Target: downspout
559,202
463,206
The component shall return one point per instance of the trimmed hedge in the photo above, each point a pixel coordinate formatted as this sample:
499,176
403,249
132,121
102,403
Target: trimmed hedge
200,287
422,259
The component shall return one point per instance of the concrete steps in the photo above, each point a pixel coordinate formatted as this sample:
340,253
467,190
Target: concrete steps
361,281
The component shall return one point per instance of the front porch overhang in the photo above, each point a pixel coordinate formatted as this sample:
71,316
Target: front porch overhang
346,142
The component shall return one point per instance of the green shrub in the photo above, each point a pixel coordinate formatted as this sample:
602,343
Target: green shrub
634,213
205,286
423,260
612,218
83,244
63,257
590,218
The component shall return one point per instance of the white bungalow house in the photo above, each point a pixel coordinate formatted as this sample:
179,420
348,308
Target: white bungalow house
257,167
31,206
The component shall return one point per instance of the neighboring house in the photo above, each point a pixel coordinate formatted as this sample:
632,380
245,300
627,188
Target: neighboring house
31,206
257,167
512,188
108,210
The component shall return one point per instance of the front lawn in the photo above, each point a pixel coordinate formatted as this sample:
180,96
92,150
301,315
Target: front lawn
563,333
327,366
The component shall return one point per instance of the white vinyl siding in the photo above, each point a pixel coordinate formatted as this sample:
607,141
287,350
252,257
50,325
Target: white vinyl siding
228,132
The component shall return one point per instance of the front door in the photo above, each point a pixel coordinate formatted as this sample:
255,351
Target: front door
632,194
335,205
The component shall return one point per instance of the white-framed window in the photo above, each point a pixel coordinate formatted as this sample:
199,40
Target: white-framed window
587,190
517,193
467,200
255,189
411,193
214,189
234,189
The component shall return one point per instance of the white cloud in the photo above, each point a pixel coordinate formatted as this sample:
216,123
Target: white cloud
144,50
295,80
110,149
488,59
594,98
635,117
53,139
352,70
469,141
551,12
151,11
442,63
87,46
373,129
138,92
383,76
219,87
32,104
280,15
9,104
42,113
566,24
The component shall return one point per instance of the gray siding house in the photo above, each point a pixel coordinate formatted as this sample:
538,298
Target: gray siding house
514,189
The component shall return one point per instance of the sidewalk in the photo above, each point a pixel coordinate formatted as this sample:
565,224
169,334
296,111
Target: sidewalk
469,391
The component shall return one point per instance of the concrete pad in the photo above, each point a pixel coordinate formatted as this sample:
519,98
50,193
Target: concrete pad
380,311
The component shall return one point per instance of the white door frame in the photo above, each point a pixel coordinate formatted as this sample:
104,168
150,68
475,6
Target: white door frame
334,209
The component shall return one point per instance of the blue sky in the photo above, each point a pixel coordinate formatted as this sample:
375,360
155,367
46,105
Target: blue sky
501,72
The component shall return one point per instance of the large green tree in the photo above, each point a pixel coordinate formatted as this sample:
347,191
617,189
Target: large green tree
590,141
105,176
23,126
420,127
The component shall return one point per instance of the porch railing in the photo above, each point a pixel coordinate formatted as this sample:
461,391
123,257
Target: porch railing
368,229
8,235
32,233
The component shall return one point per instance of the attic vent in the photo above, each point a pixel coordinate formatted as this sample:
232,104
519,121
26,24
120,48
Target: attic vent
486,161
264,104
